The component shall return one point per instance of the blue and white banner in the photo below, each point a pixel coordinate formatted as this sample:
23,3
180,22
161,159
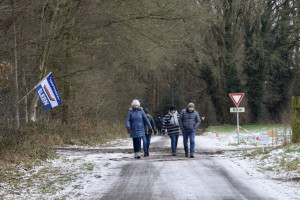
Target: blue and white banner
48,93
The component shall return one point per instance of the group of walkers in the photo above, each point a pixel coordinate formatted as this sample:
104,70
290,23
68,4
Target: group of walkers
140,124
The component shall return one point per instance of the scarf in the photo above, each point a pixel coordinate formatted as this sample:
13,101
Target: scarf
174,118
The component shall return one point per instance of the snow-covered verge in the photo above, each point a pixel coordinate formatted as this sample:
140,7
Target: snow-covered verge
73,175
279,165
281,162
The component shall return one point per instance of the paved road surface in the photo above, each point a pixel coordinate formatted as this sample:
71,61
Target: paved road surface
161,176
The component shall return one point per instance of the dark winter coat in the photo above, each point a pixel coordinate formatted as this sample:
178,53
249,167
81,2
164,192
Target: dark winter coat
135,121
147,130
189,120
159,123
172,129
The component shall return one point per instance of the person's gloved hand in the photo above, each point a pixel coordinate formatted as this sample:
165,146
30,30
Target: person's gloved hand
155,132
128,130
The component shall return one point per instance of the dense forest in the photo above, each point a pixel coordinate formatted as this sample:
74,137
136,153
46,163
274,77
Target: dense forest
104,54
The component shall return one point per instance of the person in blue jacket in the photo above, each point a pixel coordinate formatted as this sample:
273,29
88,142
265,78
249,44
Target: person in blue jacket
189,121
135,126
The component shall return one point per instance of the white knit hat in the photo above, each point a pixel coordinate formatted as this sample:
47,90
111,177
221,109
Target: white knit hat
135,102
191,105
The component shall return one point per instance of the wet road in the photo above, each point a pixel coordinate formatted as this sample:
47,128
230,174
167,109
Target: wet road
161,176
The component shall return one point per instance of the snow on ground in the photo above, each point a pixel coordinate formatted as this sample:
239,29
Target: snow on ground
74,175
278,168
84,174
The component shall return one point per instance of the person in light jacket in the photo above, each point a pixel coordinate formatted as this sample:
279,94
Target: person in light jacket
171,125
135,125
148,133
189,121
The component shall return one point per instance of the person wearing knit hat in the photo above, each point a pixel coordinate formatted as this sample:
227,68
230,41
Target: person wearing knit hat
135,102
171,126
135,123
189,121
148,133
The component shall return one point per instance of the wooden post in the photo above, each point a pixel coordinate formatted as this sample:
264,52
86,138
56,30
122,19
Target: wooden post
256,148
295,112
16,71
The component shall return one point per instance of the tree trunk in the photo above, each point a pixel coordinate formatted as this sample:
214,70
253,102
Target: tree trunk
295,111
16,70
33,108
25,99
45,51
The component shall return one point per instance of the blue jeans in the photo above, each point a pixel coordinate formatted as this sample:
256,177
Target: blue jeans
146,142
186,134
136,144
174,142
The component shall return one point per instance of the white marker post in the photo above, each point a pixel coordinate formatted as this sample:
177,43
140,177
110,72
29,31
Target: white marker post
237,98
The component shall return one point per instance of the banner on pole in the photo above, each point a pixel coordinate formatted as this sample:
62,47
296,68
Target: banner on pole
48,93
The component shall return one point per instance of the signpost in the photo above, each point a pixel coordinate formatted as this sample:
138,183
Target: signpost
237,98
261,139
239,109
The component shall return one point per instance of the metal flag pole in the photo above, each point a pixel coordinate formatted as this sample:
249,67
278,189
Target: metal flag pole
34,87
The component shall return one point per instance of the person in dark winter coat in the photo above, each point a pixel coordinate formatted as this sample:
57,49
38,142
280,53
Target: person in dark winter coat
135,125
189,121
171,125
159,125
148,132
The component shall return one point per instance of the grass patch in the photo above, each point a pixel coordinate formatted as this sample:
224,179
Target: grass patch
106,164
89,166
252,128
293,165
265,157
293,149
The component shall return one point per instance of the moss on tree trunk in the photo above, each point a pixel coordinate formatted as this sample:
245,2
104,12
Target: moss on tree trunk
295,111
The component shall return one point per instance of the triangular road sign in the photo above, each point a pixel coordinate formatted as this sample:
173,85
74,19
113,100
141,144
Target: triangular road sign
202,118
236,97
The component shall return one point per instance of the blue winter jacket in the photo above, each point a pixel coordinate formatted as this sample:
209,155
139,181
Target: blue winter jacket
135,121
189,120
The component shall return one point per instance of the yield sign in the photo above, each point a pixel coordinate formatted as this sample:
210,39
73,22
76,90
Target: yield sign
202,118
236,97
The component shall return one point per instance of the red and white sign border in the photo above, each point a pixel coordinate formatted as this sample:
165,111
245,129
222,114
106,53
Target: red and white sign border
239,101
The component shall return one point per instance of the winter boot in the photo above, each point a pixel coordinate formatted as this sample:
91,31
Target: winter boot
192,156
174,153
186,155
138,155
